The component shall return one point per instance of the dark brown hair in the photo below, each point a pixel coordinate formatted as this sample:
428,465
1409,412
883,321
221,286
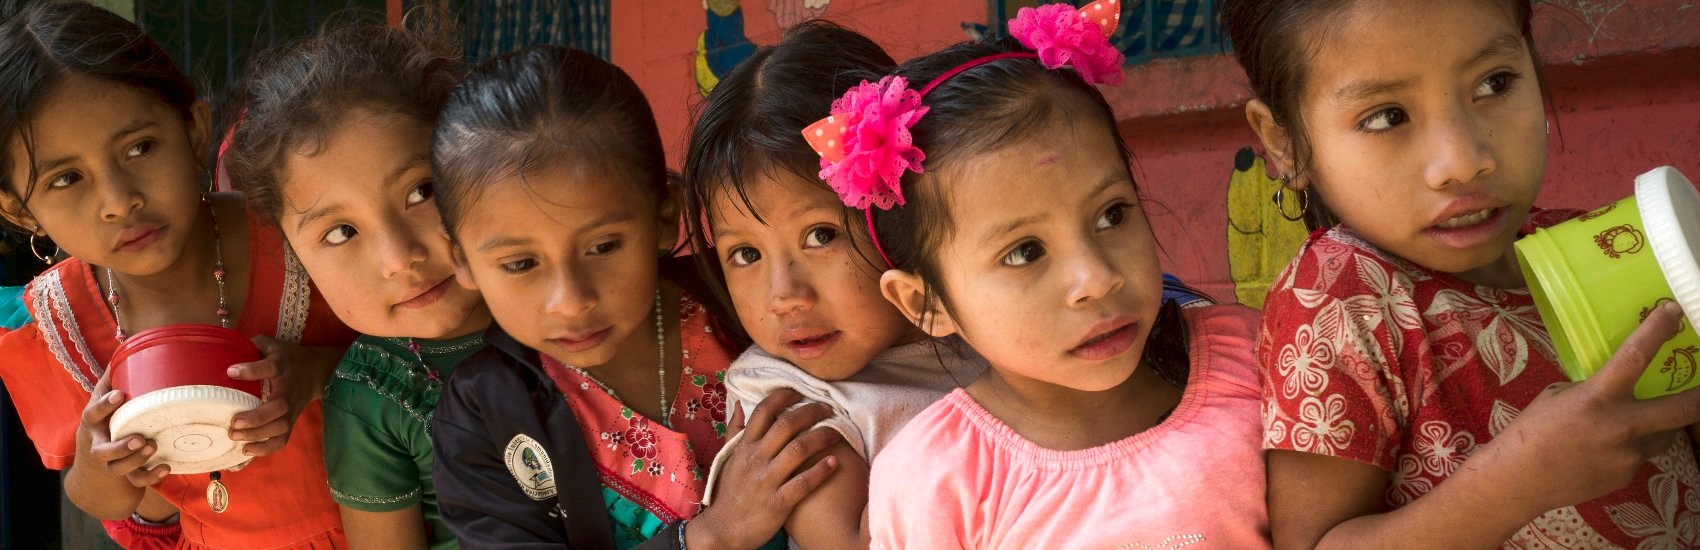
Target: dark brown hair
526,109
1268,38
47,42
296,95
751,125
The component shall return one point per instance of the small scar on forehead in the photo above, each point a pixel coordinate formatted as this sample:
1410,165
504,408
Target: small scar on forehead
1048,159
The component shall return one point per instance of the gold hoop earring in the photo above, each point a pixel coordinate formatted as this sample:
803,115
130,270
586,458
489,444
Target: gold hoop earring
1280,200
45,258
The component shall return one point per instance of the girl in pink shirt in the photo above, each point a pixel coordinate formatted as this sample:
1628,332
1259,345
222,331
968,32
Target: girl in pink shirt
1106,420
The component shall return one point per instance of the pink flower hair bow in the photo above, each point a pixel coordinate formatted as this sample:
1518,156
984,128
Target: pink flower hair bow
1080,38
865,145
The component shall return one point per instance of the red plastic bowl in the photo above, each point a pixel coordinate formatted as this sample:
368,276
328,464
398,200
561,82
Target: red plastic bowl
179,395
182,355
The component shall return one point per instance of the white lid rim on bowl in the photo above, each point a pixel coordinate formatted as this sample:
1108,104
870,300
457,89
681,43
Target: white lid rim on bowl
199,412
1670,212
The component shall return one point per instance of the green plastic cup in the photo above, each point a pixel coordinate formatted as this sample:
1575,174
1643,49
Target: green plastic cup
1596,277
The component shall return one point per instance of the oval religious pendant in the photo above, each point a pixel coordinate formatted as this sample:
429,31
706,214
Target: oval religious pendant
218,498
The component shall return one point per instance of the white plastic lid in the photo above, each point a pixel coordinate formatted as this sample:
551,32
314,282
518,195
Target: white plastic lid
190,425
1670,210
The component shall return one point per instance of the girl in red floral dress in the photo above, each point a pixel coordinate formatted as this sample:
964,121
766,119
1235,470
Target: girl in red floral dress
1412,395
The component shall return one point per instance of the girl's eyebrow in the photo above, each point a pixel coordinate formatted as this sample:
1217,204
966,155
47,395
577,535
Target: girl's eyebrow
1008,227
390,180
792,215
45,168
316,213
502,242
402,168
608,218
803,211
133,127
1364,90
1504,45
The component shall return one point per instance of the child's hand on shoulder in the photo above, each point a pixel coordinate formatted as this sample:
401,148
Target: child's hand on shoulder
766,474
126,456
294,375
1580,441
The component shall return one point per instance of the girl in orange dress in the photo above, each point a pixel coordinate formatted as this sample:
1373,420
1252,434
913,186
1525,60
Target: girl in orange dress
103,139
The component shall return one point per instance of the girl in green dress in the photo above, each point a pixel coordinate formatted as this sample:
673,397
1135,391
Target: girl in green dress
334,147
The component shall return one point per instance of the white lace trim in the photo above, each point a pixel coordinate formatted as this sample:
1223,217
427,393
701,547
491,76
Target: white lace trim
47,294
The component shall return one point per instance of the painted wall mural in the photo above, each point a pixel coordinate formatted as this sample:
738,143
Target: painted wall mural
725,44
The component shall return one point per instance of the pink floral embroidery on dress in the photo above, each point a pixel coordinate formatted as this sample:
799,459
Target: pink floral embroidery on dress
713,399
659,467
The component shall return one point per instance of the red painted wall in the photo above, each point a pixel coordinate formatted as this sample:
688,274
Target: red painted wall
1624,82
655,41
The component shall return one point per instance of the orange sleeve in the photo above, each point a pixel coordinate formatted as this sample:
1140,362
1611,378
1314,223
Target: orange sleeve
49,401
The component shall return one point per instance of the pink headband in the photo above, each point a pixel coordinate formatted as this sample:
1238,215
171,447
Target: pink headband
865,145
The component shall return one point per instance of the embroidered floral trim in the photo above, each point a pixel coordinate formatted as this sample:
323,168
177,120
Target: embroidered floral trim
297,298
640,442
713,400
417,374
440,349
637,495
50,331
410,496
660,469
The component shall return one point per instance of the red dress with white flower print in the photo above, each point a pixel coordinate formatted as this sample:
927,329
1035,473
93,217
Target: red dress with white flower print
1368,357
653,475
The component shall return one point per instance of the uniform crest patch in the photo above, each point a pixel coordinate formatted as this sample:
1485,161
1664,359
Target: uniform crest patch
530,467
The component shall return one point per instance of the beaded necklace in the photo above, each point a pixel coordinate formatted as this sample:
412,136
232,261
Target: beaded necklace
218,276
218,497
660,366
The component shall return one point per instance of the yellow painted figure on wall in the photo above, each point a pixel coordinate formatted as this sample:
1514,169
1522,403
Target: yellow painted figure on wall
1260,241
